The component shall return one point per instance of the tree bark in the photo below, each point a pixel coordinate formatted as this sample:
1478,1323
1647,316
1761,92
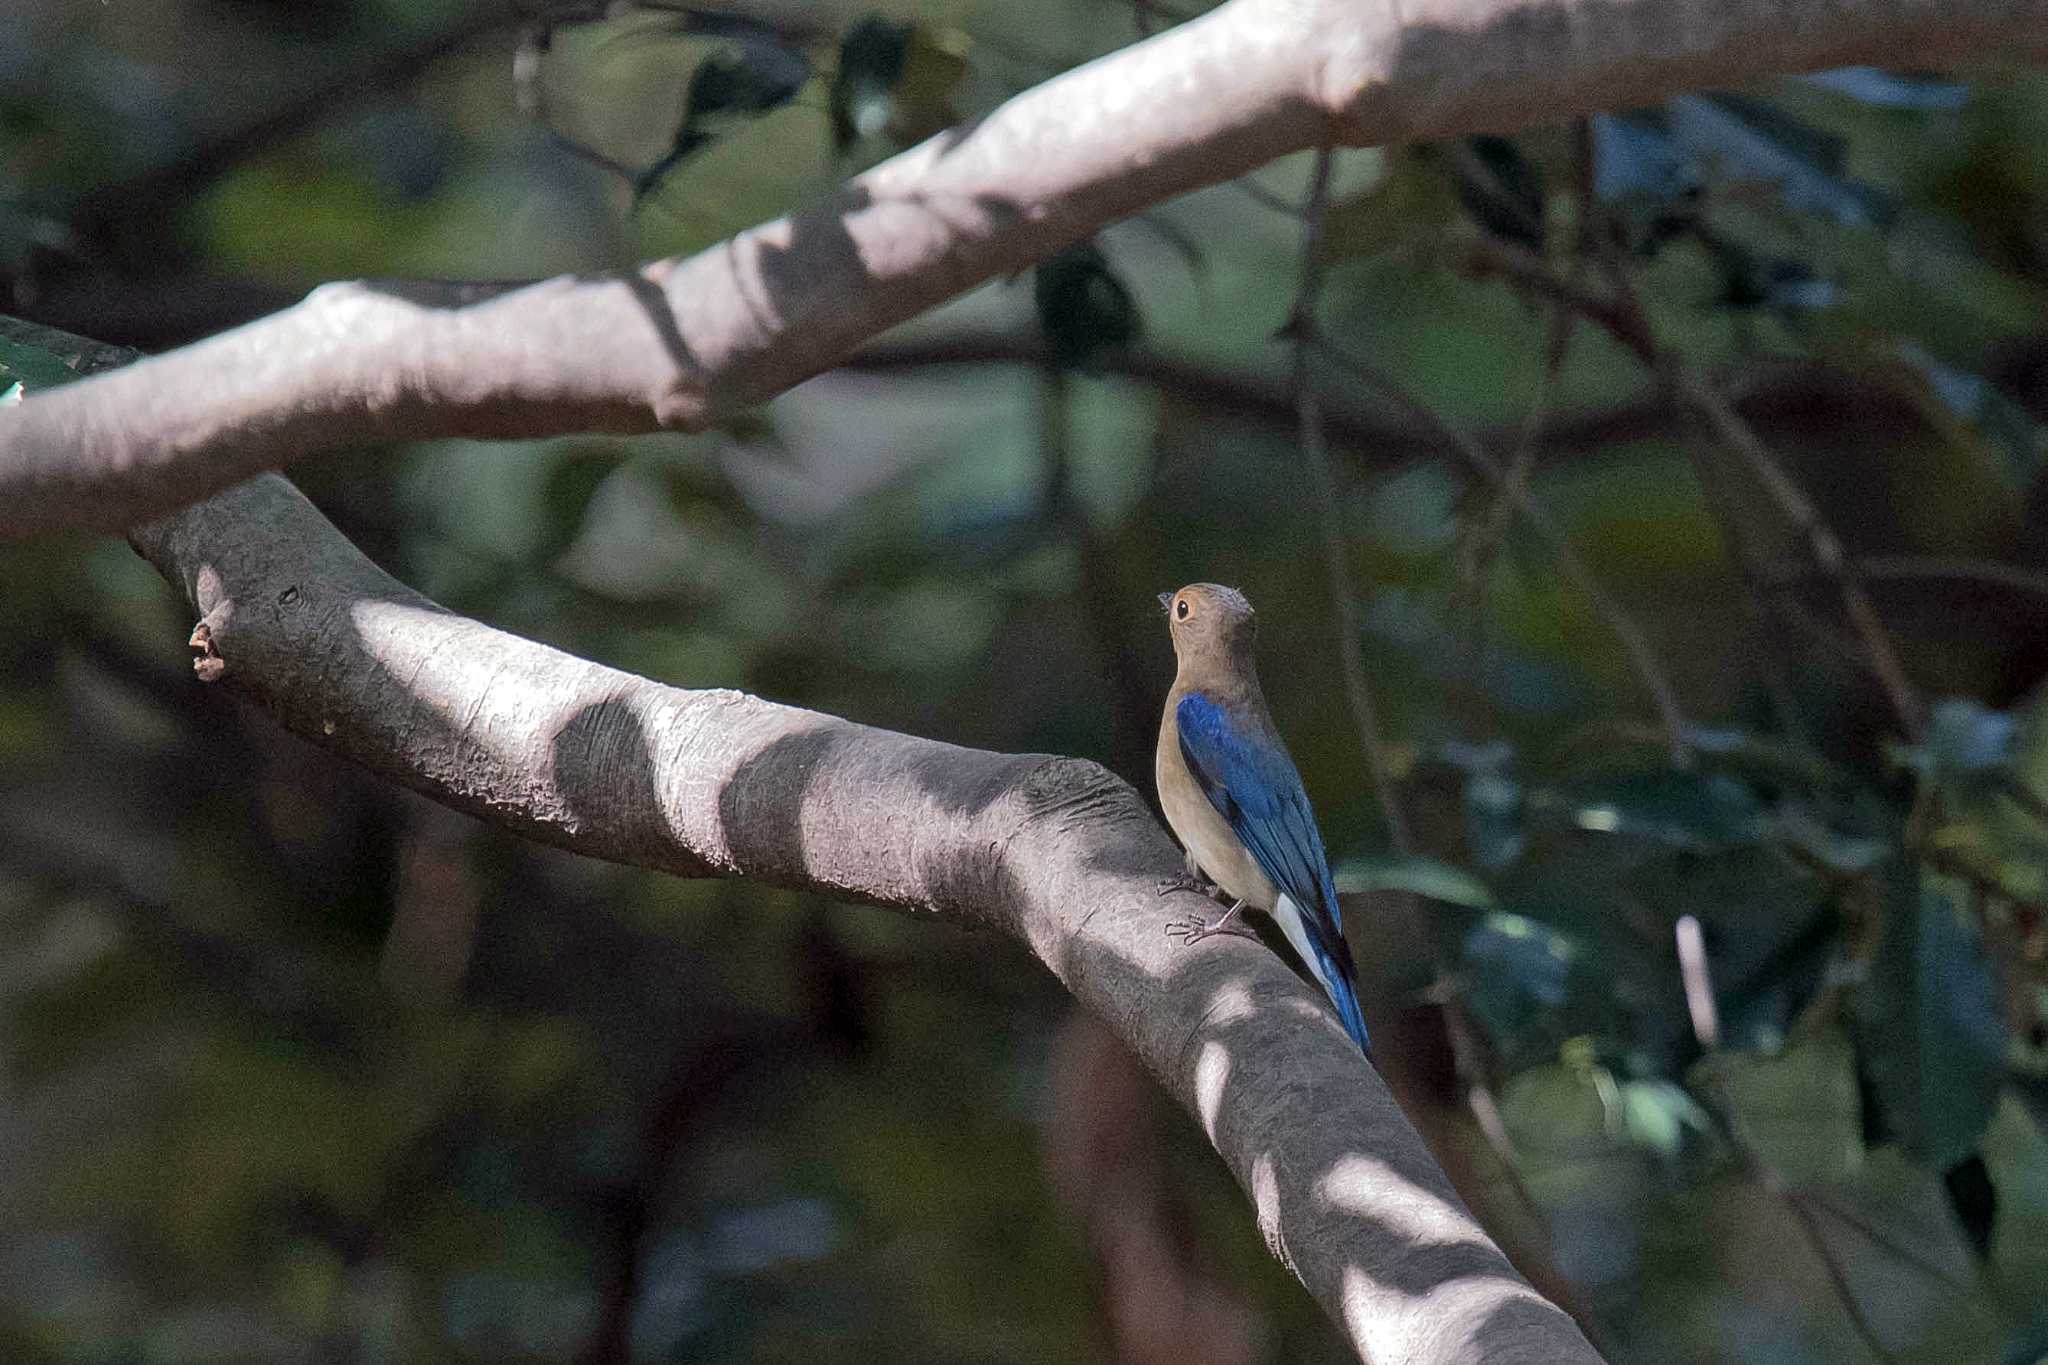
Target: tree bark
688,342
1054,852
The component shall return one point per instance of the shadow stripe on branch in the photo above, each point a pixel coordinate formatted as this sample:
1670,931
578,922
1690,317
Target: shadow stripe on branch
1055,852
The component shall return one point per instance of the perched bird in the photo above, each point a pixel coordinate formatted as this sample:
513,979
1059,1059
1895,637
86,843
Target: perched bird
1234,799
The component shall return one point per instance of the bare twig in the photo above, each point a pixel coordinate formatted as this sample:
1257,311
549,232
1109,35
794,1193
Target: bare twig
1479,546
1622,314
1489,257
1476,554
1891,1244
1721,1107
1909,568
1736,436
1633,641
1301,331
1824,1252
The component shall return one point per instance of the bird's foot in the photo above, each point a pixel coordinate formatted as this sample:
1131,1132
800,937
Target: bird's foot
1193,931
1166,886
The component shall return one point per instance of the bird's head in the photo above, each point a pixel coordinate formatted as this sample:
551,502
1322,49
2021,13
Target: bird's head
1211,624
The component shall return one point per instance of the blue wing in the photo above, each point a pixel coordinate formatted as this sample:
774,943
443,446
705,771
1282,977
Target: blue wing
1252,783
1256,789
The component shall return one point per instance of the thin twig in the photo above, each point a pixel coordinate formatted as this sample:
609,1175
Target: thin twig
1477,552
1633,641
1721,1108
1301,330
1523,462
1809,1226
1622,314
1490,257
1736,436
1480,547
1911,568
1886,1242
1768,612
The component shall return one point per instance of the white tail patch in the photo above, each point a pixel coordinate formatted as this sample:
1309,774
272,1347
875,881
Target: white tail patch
1288,916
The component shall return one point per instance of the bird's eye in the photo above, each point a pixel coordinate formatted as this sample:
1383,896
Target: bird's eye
1180,609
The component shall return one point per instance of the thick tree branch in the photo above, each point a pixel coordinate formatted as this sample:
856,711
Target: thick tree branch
685,343
1054,852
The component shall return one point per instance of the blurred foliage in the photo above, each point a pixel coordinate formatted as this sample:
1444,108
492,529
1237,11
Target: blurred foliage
299,1067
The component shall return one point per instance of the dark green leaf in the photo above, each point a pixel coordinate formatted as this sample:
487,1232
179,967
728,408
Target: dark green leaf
1782,285
727,88
1768,936
2008,426
1083,308
1974,1199
1967,740
2029,1345
1763,756
1493,801
565,498
872,57
1697,810
1516,977
1421,876
1750,139
1660,1115
32,367
1653,183
2032,1093
1501,189
1798,1107
1927,1025
893,77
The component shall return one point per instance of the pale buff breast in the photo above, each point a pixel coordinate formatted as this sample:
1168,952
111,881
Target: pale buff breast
1203,831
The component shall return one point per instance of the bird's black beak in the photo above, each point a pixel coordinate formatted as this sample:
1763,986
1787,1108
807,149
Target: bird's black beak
1166,601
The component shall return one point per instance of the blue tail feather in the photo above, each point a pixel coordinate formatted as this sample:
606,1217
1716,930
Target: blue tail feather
1337,985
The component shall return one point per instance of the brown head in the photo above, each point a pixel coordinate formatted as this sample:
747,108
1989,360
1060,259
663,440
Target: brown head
1215,634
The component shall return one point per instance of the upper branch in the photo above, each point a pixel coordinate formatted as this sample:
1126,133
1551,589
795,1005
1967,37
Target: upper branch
686,342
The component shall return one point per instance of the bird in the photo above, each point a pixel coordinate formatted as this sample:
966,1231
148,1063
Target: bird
1234,799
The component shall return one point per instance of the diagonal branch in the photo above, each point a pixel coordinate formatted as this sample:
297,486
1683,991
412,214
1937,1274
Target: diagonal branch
689,342
1054,852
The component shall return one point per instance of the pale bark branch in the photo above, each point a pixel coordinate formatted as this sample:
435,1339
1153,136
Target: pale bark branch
685,343
1054,852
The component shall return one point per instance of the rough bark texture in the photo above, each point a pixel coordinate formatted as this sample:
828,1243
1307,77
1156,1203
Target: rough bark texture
1055,852
683,343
